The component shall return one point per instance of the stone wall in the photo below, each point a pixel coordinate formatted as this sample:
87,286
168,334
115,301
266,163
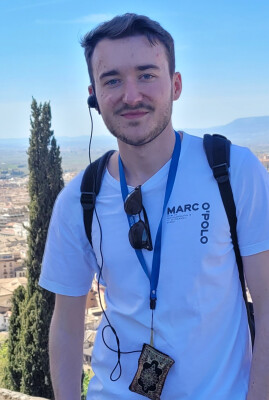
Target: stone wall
9,395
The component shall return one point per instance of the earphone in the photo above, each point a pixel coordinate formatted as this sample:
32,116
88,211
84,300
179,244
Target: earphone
93,103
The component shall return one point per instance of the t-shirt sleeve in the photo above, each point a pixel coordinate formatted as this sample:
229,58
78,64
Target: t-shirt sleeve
69,262
250,183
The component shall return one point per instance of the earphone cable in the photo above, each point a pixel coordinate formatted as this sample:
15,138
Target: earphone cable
118,364
118,351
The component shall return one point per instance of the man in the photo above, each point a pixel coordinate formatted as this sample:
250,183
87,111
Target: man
196,314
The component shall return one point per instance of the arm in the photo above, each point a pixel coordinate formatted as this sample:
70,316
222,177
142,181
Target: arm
66,346
256,269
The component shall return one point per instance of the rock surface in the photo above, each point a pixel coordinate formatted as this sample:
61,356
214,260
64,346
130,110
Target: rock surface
9,395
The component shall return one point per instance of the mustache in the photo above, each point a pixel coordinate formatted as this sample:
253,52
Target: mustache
139,106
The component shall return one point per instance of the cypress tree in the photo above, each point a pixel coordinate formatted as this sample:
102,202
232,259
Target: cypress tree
39,190
36,319
14,364
45,182
55,175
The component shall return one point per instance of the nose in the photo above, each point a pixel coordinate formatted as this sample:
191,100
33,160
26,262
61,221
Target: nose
132,94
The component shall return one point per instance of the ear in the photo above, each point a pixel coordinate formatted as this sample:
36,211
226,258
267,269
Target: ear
90,90
177,85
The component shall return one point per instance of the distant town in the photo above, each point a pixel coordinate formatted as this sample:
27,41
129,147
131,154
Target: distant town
14,216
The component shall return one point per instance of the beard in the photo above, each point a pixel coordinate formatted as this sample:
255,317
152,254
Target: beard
159,124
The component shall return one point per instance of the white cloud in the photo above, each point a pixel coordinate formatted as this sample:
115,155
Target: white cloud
95,18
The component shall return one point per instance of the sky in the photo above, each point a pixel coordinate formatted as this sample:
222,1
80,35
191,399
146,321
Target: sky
222,53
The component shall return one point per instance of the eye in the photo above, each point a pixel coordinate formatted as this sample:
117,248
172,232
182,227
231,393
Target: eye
147,77
112,82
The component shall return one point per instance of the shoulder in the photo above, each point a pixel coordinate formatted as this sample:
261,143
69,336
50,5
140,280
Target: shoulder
245,165
71,191
191,140
70,195
241,155
192,146
67,209
237,155
69,262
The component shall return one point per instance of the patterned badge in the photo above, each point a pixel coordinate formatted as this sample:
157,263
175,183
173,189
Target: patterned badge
153,367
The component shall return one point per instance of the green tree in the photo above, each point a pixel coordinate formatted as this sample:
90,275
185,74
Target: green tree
14,366
55,175
3,363
41,182
45,182
36,319
87,376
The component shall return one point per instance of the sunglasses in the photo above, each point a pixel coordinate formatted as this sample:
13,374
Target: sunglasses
139,233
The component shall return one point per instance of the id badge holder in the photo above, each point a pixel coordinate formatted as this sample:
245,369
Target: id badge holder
153,367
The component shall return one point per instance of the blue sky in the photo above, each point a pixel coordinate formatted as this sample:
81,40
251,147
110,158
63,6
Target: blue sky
222,52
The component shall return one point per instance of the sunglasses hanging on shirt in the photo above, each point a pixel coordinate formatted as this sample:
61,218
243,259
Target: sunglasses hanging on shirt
139,233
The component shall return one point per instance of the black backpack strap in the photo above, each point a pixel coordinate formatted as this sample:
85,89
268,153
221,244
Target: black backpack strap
90,187
217,150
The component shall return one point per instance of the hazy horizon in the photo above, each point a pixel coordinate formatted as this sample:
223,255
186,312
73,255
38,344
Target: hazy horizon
108,134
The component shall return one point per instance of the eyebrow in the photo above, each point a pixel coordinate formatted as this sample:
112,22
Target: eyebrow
147,66
114,72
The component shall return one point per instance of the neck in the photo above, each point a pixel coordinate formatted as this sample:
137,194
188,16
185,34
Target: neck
142,162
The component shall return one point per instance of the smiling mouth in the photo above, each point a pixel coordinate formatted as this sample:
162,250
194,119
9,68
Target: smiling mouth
134,114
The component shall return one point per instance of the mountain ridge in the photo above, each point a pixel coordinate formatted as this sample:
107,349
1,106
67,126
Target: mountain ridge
252,131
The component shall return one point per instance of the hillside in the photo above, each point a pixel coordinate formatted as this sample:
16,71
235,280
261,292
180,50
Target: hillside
251,132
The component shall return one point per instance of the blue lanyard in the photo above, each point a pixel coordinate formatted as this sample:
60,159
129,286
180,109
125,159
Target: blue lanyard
156,261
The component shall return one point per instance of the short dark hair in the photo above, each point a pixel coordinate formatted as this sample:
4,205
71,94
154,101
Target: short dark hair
128,25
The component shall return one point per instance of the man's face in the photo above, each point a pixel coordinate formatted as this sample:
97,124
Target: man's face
134,88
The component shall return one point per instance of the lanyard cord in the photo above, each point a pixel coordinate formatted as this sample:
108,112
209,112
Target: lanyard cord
156,261
173,165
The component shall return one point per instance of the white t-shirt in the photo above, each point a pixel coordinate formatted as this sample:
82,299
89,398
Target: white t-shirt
200,319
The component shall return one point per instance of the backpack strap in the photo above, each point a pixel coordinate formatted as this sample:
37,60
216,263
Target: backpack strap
90,187
217,150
